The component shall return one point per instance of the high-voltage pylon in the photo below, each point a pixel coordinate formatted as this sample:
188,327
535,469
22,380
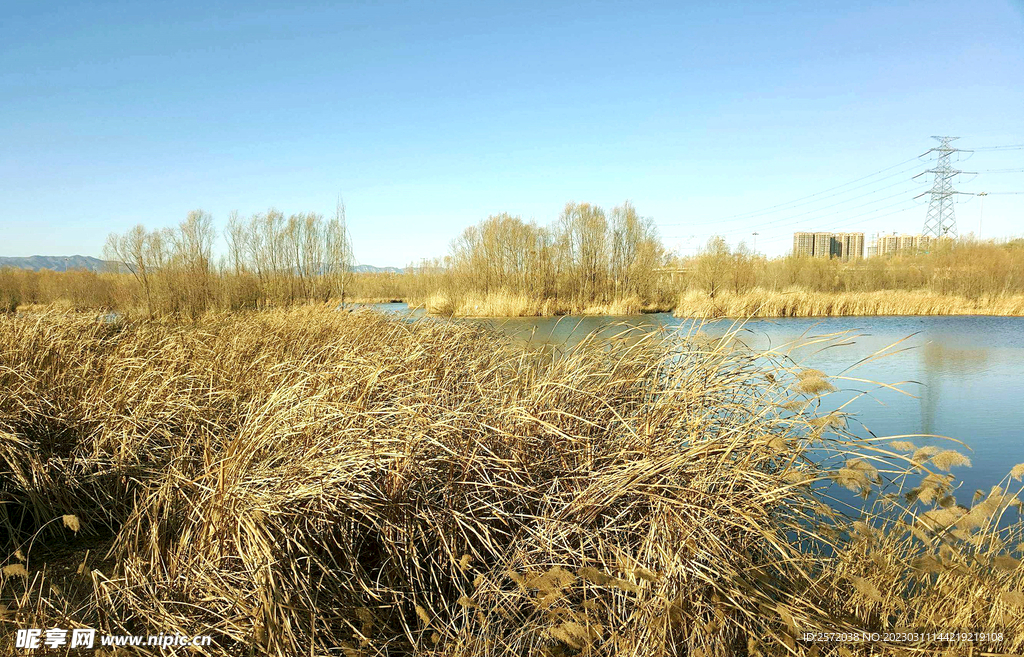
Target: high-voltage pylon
941,218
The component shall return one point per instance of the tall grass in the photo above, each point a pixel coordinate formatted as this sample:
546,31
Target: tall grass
509,304
803,303
310,482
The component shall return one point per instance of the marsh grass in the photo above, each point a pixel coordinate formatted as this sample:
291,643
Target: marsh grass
308,482
804,303
508,304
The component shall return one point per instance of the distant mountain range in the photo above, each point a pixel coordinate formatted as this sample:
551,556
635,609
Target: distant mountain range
56,263
60,263
370,269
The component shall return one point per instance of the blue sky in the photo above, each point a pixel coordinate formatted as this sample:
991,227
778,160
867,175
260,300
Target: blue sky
427,117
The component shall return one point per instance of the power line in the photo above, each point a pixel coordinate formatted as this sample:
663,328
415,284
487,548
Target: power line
795,219
845,224
870,215
845,221
775,222
774,208
940,216
786,238
1012,147
853,198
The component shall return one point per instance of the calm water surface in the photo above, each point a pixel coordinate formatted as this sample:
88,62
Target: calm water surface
965,375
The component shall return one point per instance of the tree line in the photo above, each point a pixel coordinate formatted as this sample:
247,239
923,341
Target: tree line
270,260
589,257
586,258
966,267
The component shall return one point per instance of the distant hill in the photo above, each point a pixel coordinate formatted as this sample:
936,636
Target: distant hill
370,269
58,263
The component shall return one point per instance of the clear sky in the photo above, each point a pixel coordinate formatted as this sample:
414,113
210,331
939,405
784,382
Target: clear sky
427,117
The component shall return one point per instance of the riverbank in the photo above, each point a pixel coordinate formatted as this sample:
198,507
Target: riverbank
755,303
503,304
695,304
798,303
310,479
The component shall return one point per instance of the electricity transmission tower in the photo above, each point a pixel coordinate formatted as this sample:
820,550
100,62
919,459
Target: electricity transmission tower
941,219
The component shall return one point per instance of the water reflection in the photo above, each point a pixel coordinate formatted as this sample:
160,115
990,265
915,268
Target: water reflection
944,364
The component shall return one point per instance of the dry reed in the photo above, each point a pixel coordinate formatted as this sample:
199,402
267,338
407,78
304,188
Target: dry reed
802,303
311,482
509,304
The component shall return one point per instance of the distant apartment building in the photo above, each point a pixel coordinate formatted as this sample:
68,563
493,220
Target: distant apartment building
848,246
891,244
823,245
803,244
845,246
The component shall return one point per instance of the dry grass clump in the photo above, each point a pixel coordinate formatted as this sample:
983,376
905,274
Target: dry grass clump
804,303
510,304
305,482
495,304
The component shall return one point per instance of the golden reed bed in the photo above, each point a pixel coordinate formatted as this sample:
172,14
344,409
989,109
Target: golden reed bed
506,304
755,303
311,482
798,303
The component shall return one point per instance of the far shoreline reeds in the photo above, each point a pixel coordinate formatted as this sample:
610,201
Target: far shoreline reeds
726,304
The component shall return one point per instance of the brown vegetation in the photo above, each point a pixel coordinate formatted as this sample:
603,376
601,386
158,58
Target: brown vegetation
270,261
587,262
505,304
504,267
957,278
965,277
801,303
963,268
295,482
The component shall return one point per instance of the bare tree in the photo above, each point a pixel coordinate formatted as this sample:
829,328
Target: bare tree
192,258
339,259
132,251
237,239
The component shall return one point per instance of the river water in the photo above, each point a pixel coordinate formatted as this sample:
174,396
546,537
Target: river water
964,375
